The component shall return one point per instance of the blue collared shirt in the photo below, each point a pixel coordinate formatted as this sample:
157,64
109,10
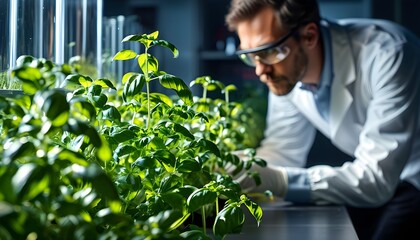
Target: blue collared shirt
322,91
298,179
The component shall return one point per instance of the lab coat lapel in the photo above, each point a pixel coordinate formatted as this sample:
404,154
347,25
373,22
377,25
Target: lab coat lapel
344,75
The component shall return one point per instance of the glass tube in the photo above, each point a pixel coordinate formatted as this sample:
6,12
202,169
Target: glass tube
115,29
27,28
83,35
4,45
59,30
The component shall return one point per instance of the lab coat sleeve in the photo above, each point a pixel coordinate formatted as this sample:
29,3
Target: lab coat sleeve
288,136
385,142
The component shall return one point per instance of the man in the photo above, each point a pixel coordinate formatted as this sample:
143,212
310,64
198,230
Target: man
357,82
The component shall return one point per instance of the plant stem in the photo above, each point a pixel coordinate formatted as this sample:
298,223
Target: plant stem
203,217
148,104
204,93
126,203
146,75
217,206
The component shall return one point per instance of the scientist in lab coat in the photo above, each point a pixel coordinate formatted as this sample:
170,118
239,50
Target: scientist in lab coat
358,82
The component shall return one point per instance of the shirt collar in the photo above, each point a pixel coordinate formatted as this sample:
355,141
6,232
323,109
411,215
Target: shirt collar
326,74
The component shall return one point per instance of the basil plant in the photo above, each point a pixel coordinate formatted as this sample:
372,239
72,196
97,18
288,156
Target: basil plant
97,159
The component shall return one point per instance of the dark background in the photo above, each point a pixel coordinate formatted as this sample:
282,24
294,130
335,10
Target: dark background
197,28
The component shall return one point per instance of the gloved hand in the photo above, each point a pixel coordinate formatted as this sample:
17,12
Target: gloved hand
273,178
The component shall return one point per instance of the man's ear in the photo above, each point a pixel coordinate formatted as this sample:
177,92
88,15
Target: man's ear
310,35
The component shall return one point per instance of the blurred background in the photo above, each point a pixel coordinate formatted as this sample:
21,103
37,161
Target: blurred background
197,28
89,32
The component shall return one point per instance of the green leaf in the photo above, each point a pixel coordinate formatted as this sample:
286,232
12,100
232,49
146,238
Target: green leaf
145,162
200,80
213,85
94,137
256,176
182,130
145,39
105,83
107,217
239,167
5,210
131,182
144,141
207,145
82,128
174,199
229,88
188,166
177,84
151,61
125,54
76,127
168,45
18,149
202,116
200,198
255,210
123,150
229,220
169,183
31,180
127,76
122,136
195,234
30,78
260,162
153,36
103,152
132,38
160,98
24,101
102,184
85,81
98,101
76,143
165,157
202,106
94,90
66,69
24,59
178,112
164,220
232,158
111,113
27,73
83,107
157,143
73,157
133,86
74,78
56,107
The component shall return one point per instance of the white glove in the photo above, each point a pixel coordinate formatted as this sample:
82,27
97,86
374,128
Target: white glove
273,178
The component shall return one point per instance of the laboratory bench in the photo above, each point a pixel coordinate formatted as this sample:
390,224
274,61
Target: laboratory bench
284,221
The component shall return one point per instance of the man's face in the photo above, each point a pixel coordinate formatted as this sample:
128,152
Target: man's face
279,75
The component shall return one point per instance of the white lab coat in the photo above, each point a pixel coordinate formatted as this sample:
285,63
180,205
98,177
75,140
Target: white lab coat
374,117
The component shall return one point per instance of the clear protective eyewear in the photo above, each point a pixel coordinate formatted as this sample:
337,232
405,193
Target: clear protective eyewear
268,54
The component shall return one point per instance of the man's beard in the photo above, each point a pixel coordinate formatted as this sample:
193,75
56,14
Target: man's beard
283,85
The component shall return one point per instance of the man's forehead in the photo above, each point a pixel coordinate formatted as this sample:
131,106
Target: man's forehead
263,28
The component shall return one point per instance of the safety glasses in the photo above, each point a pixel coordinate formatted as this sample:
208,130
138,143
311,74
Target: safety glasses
268,54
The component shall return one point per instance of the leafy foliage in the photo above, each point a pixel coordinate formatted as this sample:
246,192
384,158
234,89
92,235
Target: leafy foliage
94,160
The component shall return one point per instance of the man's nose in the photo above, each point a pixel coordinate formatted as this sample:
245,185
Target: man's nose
261,68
